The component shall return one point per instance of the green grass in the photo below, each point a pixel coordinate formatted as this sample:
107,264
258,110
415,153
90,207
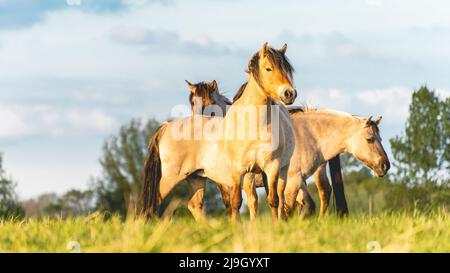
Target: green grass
394,233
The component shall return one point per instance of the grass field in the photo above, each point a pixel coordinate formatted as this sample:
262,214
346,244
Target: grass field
358,233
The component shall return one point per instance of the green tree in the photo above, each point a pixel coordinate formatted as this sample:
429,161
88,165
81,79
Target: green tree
350,164
9,204
41,205
422,155
445,160
118,188
422,149
72,203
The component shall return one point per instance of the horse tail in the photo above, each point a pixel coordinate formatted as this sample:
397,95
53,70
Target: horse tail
338,185
152,176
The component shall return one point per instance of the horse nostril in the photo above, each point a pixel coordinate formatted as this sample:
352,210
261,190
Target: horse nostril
287,94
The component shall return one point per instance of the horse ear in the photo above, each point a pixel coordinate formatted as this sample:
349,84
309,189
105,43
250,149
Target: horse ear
378,119
191,86
283,49
264,49
368,121
213,85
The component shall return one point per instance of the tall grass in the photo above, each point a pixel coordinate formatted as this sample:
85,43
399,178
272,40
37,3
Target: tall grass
392,232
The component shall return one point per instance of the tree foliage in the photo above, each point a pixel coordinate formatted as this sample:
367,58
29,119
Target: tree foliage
122,161
421,152
9,204
70,204
420,179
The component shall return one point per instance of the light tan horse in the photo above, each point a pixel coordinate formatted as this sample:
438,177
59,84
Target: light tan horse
321,136
201,96
232,147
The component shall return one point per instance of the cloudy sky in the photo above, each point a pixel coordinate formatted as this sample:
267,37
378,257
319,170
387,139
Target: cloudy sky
72,71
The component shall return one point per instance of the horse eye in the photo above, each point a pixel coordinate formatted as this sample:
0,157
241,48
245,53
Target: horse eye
268,69
371,139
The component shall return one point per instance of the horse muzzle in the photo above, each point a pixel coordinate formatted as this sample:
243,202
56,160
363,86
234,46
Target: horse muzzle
382,169
288,96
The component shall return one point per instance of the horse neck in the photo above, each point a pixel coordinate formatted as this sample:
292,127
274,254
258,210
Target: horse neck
222,102
329,130
253,94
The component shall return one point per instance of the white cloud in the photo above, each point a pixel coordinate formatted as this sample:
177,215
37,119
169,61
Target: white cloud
374,3
22,121
164,41
333,98
99,97
92,120
443,93
392,103
11,124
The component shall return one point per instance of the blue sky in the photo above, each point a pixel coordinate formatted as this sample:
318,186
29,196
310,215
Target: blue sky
73,71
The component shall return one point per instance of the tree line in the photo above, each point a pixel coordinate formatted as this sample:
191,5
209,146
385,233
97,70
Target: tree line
420,179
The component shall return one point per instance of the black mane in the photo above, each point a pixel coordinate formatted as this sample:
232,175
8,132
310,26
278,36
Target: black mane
240,92
296,109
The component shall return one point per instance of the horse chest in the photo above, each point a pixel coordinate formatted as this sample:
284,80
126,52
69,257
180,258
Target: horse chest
256,158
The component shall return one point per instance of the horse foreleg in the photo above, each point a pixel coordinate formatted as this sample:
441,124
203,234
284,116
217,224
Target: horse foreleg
324,188
305,202
272,173
281,186
291,192
236,198
195,203
252,196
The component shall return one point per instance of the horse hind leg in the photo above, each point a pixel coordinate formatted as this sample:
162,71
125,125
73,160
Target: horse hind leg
197,192
225,193
323,187
338,186
167,183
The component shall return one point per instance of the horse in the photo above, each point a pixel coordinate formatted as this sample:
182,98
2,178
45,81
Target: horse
322,135
201,96
230,149
312,150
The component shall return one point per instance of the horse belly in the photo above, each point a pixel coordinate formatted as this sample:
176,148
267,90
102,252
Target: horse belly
176,159
216,165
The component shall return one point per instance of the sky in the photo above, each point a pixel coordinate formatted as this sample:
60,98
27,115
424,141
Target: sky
73,71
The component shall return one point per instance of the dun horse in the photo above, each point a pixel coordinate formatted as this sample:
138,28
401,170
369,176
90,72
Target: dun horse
230,154
321,136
